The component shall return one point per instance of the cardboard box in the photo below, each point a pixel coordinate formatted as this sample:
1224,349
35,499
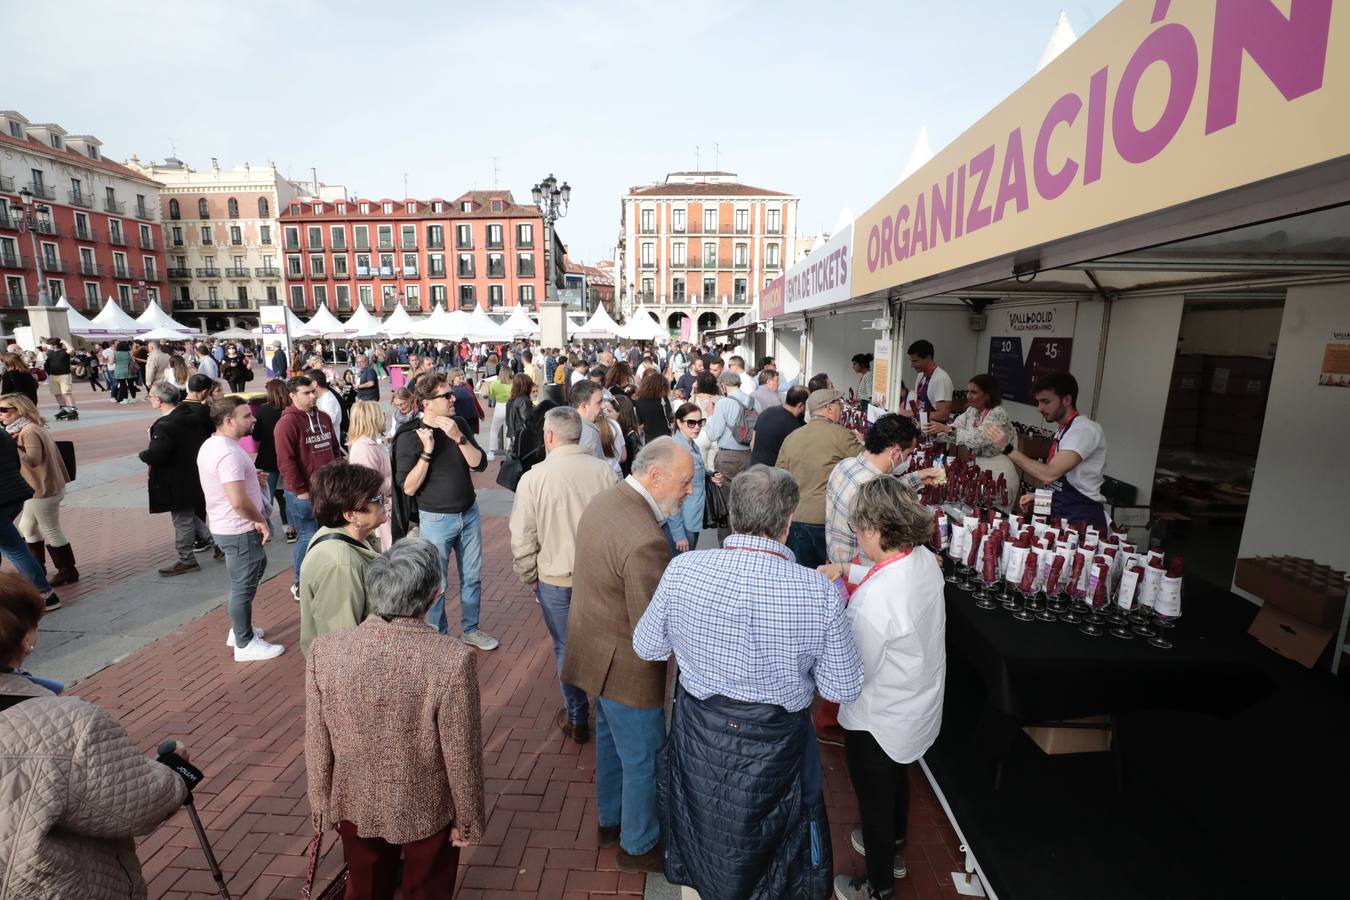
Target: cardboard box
1090,735
1316,594
1290,636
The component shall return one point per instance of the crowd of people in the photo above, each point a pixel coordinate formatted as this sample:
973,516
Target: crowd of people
815,615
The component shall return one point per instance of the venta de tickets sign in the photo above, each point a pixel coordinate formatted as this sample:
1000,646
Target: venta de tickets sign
1160,104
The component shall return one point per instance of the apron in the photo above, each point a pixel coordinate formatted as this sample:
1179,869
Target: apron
921,393
1069,503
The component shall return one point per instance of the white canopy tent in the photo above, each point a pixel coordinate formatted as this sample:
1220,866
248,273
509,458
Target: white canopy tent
155,317
165,334
520,324
362,324
484,329
599,325
294,326
235,334
642,326
398,324
78,324
114,320
325,323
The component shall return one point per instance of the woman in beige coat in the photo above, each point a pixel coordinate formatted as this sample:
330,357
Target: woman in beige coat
45,471
74,790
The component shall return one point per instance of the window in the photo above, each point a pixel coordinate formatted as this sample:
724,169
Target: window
343,295
648,255
339,265
386,236
387,265
710,220
677,290
365,208
525,235
410,265
366,295
362,263
298,296
525,295
232,206
239,264
464,267
203,210
466,206
771,223
37,180
436,265
264,208
468,296
265,234
771,255
342,209
648,221
206,234
292,237
496,265
119,263
241,297
82,226
271,294
738,291
495,293
151,273
412,296
412,208
408,237
388,209
337,237
316,266
236,236
174,211
388,297
320,295
494,236
115,232
464,236
15,130
56,141
438,295
86,261
437,207
361,236
123,296
677,254
677,221
315,237
742,221
648,287
710,255
91,294
710,290
293,265
92,151
525,265
496,206
177,233
742,255
152,294
435,237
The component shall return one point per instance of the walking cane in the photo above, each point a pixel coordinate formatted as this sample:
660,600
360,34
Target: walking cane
193,776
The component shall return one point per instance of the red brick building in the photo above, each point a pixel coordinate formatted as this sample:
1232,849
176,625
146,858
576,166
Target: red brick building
98,232
480,248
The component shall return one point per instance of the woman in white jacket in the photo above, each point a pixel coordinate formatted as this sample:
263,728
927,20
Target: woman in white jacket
899,619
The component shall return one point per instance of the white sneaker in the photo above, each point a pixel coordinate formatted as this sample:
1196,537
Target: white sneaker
479,639
491,456
257,649
898,868
295,592
229,640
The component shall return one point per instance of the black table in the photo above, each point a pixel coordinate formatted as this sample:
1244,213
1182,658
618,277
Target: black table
1049,671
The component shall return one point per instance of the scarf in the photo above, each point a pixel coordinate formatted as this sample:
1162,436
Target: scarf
18,425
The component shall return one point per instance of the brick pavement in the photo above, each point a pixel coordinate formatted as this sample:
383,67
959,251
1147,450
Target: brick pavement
244,726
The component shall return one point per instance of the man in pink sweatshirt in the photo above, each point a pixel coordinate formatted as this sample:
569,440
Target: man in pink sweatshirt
306,440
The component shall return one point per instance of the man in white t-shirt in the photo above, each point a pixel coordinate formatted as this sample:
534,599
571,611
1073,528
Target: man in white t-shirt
933,389
748,383
234,508
1076,464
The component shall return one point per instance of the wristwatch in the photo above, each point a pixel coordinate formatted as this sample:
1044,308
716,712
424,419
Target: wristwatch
1009,449
462,441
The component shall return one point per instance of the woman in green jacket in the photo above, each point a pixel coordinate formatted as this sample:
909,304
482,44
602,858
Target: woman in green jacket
349,508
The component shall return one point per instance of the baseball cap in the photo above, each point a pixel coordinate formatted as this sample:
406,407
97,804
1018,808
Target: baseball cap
821,399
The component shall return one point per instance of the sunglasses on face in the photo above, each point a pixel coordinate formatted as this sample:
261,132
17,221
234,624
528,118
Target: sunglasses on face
694,423
444,396
7,409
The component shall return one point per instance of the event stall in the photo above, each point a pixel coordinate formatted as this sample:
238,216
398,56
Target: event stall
1162,211
520,324
643,326
599,325
155,317
113,320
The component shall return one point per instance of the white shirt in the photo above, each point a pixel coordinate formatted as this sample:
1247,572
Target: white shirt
748,383
1086,438
899,619
329,403
939,386
613,461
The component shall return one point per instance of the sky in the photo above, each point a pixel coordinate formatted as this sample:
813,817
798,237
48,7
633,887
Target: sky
824,101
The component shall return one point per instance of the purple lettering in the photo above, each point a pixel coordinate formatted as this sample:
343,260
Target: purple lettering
1012,186
1291,52
1096,127
982,165
1173,46
942,212
902,246
843,264
873,248
1051,184
960,199
918,235
886,226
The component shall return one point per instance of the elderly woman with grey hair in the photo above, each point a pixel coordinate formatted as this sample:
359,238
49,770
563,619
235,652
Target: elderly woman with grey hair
899,618
393,741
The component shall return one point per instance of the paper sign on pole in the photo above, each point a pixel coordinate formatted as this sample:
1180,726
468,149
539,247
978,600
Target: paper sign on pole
881,371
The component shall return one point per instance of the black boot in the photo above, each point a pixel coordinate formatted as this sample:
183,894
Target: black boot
64,560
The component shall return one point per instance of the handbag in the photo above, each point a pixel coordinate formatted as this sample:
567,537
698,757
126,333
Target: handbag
715,513
67,451
510,472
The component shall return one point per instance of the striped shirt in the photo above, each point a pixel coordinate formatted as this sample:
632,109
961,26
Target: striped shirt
841,545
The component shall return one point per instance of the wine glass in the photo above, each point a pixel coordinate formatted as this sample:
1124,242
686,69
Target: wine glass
1024,612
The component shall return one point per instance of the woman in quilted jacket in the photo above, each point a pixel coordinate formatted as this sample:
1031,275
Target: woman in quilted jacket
74,790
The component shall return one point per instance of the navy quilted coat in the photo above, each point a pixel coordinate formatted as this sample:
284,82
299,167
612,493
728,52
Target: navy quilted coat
739,793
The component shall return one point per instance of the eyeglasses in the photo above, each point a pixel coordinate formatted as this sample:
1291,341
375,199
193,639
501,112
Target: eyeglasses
443,396
694,423
5,409
377,500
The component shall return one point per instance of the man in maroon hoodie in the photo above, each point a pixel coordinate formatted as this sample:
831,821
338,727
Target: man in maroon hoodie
306,440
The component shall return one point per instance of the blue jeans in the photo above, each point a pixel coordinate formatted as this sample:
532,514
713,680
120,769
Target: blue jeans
626,741
462,533
245,560
273,481
807,543
301,514
13,546
554,602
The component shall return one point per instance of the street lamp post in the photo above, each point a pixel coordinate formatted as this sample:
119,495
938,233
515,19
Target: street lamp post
551,198
27,214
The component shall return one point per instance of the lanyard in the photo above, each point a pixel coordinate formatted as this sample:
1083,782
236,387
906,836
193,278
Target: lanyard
984,415
1063,429
894,558
754,550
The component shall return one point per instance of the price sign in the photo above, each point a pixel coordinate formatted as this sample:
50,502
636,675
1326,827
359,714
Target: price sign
1027,343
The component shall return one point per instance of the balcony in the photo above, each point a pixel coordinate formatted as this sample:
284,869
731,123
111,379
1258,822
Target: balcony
344,275
124,273
678,264
149,244
525,270
144,212
436,272
93,269
209,304
207,240
267,272
774,229
79,198
435,243
465,272
408,245
13,261
773,264
6,221
494,245
179,304
527,244
15,299
234,242
497,271
647,264
51,229
677,229
118,238
318,274
292,243
741,264
237,303
85,233
294,275
463,245
114,206
365,273
208,272
361,245
740,299
386,271
647,229
410,271
52,265
41,191
178,273
387,245
237,272
152,274
742,229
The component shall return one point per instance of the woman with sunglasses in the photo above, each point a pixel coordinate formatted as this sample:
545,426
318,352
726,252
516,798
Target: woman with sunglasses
686,523
349,507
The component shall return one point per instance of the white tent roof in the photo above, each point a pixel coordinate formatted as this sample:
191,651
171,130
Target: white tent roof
845,219
165,334
325,323
599,325
77,322
115,319
484,329
642,327
236,334
362,323
920,156
1060,39
398,324
155,317
294,326
520,324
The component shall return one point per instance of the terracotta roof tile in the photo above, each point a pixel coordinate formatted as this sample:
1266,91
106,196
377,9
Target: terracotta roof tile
107,165
726,189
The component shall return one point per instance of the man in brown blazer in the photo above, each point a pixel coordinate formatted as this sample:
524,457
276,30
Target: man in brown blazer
621,552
